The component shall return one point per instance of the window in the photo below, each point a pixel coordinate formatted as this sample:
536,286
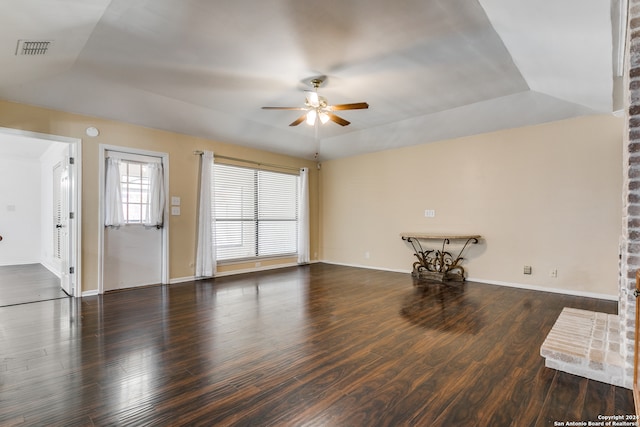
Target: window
134,185
134,190
255,213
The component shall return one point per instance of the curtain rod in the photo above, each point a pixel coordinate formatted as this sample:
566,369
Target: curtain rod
235,159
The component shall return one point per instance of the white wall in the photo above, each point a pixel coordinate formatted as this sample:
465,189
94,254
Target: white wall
19,211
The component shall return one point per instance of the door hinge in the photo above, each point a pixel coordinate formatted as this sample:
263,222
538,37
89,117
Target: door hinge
71,215
72,270
72,160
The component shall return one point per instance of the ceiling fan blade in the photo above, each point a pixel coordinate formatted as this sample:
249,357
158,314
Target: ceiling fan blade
338,120
299,120
354,106
286,108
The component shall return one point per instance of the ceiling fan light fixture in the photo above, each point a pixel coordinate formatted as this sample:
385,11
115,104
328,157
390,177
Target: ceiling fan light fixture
318,108
313,99
311,117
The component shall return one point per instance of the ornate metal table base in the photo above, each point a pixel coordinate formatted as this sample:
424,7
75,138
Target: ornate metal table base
434,264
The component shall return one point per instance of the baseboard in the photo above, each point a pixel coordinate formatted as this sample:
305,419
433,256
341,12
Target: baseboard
368,267
234,272
254,269
6,264
182,280
51,268
498,283
89,293
571,292
177,280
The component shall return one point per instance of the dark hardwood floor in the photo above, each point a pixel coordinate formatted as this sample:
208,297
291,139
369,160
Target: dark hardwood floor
319,345
20,284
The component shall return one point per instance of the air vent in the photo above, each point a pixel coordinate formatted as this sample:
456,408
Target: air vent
33,47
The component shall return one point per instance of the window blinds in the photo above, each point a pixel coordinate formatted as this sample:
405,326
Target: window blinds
256,212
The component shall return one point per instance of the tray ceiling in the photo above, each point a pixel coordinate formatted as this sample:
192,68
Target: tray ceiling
429,69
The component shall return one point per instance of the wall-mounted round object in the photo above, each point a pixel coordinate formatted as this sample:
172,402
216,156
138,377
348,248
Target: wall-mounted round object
92,131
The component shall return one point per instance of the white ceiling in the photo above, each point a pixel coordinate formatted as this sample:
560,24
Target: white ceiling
429,69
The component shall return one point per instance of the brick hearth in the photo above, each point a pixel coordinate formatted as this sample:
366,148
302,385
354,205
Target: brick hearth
587,344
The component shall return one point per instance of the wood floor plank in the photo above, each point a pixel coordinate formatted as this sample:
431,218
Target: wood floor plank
532,393
599,399
315,345
565,400
623,401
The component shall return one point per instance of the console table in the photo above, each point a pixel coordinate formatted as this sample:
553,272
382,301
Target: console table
438,264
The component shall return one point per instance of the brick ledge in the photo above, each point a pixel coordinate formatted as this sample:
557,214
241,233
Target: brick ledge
587,344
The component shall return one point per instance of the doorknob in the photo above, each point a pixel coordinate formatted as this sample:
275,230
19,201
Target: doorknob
58,225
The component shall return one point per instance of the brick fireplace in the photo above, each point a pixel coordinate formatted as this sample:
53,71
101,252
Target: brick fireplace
596,345
630,240
587,344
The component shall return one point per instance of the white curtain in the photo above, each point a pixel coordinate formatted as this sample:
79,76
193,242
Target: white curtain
155,213
206,249
113,215
303,218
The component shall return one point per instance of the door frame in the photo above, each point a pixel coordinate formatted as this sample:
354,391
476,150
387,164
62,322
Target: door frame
102,155
75,228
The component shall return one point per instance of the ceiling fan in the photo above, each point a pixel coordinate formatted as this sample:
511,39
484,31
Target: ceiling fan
317,108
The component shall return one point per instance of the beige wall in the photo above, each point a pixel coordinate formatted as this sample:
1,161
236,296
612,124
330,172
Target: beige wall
183,179
548,196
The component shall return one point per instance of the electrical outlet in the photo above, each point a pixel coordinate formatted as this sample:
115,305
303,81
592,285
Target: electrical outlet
429,213
527,269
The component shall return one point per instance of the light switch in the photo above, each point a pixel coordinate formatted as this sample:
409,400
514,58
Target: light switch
175,210
175,201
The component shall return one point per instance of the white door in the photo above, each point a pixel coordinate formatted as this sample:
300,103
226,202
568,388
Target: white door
133,253
65,235
57,217
62,217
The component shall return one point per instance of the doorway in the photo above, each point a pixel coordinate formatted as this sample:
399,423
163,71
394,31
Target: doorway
134,251
40,174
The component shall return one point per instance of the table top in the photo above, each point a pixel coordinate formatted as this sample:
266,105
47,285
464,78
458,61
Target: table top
439,236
